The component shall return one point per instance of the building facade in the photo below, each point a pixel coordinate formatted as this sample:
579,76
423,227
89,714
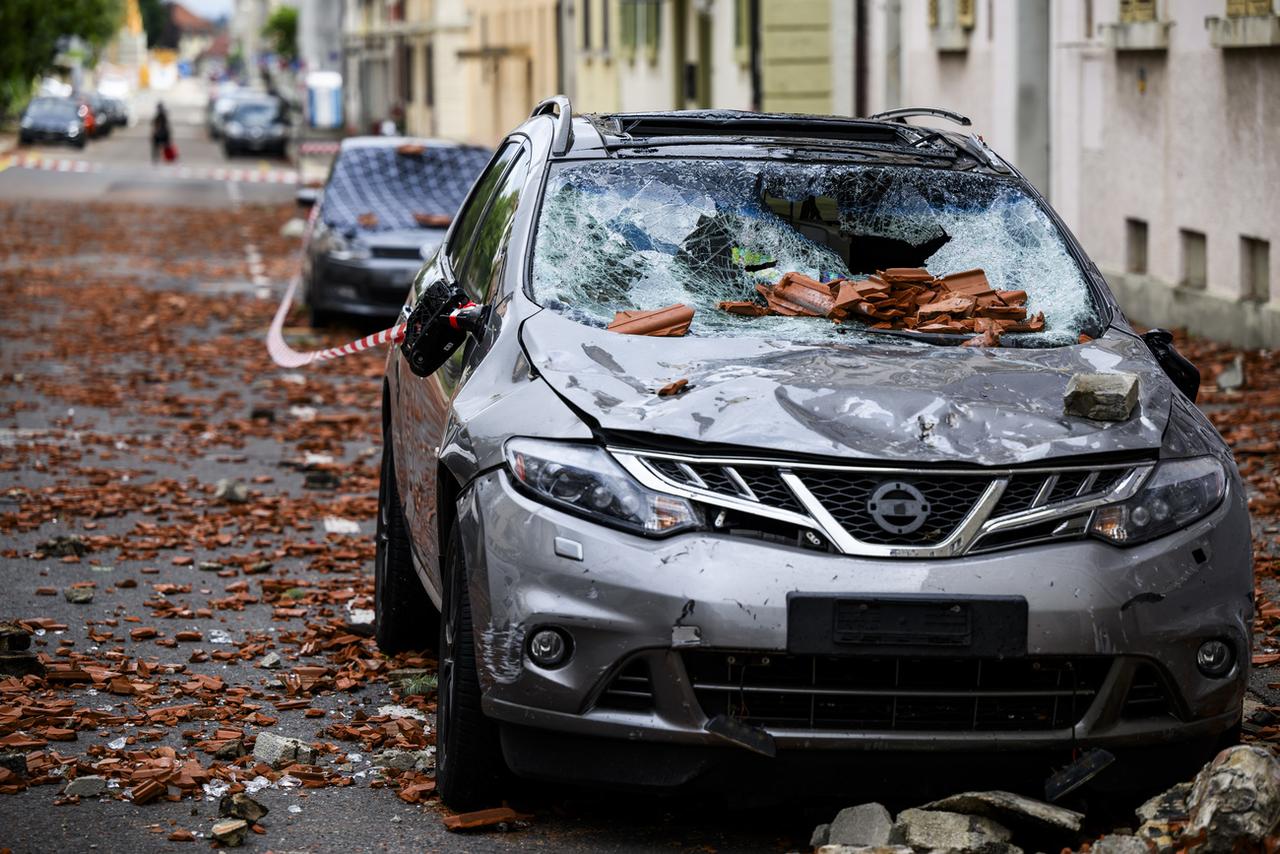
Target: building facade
1152,125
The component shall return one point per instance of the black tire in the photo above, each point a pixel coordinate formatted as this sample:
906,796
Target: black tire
80,142
404,618
470,771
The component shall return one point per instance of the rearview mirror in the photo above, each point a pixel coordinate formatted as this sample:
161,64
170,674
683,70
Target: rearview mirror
1179,368
438,324
307,196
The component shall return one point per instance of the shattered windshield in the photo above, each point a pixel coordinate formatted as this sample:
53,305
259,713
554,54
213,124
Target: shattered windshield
807,252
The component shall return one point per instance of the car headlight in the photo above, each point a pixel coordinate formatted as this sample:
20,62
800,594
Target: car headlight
26,121
277,129
235,128
585,480
73,128
340,248
1176,494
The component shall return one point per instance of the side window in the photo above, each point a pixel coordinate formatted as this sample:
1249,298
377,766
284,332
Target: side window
490,241
469,218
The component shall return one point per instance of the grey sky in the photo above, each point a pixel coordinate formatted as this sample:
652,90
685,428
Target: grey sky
209,8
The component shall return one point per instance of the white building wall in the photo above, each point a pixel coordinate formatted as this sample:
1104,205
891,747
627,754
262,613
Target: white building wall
730,80
645,85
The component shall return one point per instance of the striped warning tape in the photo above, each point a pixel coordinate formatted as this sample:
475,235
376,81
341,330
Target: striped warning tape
287,357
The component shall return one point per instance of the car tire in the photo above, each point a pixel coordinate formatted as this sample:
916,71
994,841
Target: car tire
227,151
404,617
80,142
470,771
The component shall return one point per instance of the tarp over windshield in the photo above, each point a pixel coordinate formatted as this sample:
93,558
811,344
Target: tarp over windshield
395,186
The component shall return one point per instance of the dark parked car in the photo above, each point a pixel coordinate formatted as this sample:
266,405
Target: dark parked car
103,114
811,527
256,124
52,120
388,200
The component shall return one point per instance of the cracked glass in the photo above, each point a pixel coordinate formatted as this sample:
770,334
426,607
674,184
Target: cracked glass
644,234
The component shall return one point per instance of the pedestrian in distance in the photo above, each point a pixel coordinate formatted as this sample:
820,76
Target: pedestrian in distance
160,139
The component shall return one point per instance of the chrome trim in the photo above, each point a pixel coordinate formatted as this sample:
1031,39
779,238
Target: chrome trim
652,479
1089,480
1125,489
955,544
900,469
977,523
1046,489
743,489
691,475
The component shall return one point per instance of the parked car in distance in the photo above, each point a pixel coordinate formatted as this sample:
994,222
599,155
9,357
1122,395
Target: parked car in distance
115,111
786,526
385,206
259,124
103,119
221,102
49,119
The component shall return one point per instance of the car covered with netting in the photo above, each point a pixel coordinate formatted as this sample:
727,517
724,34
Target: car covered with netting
724,442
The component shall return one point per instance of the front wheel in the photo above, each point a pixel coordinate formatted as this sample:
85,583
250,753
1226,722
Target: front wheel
469,766
404,618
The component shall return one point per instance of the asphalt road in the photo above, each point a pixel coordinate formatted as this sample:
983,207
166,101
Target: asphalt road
130,374
133,379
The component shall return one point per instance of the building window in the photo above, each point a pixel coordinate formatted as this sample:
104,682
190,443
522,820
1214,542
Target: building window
428,76
1248,8
742,31
1137,11
641,21
1255,268
586,24
1135,232
406,73
1195,261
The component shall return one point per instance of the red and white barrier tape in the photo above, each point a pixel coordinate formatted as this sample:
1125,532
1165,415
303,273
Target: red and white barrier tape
287,357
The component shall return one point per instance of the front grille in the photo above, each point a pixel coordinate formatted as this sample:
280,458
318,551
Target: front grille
805,692
898,510
1147,697
408,252
631,690
847,496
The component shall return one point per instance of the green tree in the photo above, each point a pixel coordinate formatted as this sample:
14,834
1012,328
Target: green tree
154,15
282,30
29,33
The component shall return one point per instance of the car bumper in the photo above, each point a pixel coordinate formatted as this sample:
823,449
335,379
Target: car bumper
264,143
369,287
668,603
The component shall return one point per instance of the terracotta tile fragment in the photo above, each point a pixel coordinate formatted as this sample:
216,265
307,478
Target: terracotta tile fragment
672,321
483,818
743,308
673,388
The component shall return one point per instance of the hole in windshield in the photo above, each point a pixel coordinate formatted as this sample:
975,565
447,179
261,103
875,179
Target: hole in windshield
645,234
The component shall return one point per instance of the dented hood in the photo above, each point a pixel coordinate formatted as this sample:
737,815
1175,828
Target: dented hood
883,402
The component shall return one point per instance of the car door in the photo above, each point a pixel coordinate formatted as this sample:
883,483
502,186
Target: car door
468,256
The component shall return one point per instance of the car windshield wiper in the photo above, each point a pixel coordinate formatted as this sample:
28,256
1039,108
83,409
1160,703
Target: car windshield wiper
947,339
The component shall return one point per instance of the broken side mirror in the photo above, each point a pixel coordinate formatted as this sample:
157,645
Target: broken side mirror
439,323
306,196
1179,368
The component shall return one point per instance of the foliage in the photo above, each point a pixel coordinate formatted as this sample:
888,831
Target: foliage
29,34
282,30
154,15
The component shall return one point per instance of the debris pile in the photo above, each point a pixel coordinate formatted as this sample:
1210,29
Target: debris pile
906,298
1233,805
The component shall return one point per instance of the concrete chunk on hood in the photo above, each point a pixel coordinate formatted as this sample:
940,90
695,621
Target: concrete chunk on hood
907,403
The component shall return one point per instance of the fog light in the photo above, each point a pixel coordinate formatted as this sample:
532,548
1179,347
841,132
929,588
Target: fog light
1215,658
548,647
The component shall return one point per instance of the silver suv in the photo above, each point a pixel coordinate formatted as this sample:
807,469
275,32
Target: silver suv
722,436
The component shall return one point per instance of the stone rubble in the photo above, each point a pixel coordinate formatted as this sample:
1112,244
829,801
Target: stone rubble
1231,807
278,751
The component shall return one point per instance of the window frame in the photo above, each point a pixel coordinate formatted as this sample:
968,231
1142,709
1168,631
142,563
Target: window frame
455,235
523,159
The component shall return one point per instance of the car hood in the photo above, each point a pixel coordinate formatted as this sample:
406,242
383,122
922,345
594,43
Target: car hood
402,238
884,402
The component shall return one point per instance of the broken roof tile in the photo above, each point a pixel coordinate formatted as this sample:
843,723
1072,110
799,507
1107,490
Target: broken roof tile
672,321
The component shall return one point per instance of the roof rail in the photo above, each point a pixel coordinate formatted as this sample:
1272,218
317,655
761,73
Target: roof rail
901,115
559,108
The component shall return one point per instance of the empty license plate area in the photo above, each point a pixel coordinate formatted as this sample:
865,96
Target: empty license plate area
916,625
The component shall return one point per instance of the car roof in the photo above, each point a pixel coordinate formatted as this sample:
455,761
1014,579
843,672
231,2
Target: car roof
356,142
659,133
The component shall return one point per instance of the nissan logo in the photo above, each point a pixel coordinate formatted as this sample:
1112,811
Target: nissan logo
898,507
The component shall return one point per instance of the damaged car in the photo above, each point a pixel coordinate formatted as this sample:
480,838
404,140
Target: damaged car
385,206
726,440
